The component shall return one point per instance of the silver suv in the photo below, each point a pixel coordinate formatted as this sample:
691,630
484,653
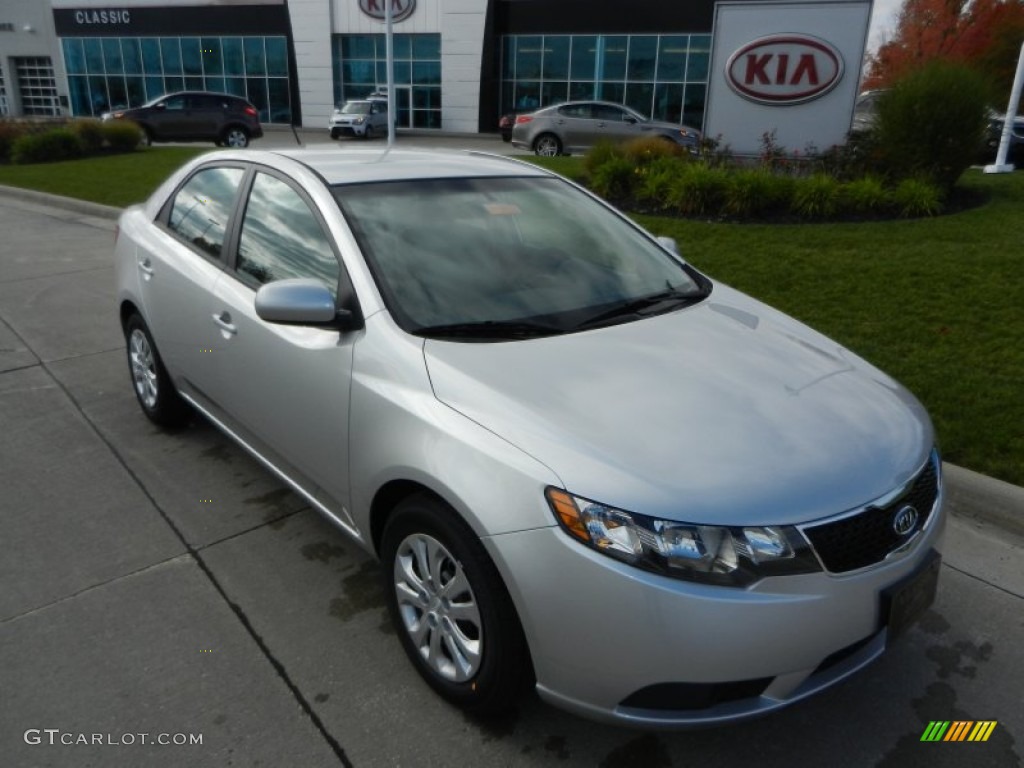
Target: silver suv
363,118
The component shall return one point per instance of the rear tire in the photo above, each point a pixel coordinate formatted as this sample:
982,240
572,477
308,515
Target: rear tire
236,138
153,388
452,612
547,145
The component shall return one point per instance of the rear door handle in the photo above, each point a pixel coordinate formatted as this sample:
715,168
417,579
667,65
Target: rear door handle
223,319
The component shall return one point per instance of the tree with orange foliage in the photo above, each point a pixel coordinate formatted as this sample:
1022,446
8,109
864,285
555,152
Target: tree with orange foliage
985,34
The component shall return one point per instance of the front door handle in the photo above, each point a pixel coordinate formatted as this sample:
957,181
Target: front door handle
223,319
146,267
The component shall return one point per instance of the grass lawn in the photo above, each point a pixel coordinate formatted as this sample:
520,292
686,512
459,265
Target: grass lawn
937,303
118,180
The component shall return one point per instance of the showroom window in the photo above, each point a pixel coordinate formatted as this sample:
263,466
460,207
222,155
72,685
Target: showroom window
662,76
4,109
360,69
113,73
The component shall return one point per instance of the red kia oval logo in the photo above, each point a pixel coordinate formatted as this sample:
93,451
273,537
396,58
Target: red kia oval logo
784,69
377,9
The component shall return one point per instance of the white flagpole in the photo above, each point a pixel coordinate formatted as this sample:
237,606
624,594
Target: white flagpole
1001,166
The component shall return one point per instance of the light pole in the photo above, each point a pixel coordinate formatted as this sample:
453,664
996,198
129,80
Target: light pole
390,54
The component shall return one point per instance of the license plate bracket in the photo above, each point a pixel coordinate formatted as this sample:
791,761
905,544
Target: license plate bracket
905,601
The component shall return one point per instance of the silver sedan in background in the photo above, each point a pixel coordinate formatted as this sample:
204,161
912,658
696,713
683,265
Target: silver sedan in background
584,465
578,125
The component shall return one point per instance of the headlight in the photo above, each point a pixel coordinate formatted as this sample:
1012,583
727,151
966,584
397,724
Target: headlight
359,120
733,556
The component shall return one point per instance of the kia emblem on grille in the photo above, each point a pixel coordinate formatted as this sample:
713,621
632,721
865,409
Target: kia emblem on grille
905,521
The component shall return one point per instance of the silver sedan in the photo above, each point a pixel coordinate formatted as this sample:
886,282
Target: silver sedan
585,466
578,125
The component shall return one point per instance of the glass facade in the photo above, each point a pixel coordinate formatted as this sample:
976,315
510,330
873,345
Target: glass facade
107,73
37,88
662,76
4,109
360,69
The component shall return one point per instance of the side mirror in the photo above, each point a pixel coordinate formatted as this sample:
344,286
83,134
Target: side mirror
300,301
160,105
629,119
669,244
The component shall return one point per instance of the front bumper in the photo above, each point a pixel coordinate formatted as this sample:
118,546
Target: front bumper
614,643
347,129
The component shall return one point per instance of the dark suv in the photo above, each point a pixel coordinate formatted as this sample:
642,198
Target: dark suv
196,116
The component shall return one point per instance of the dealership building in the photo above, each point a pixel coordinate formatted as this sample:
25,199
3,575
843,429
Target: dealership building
459,64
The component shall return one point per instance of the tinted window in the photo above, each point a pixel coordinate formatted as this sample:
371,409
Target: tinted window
174,103
576,110
203,206
281,238
608,112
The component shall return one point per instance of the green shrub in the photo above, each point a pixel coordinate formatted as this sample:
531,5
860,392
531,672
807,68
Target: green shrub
865,195
646,149
89,133
698,189
750,192
49,147
614,179
122,135
815,197
9,133
916,197
600,154
931,123
654,186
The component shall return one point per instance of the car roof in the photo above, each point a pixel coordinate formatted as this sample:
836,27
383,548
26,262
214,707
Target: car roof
369,165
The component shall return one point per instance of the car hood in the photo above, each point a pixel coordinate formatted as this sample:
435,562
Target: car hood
725,412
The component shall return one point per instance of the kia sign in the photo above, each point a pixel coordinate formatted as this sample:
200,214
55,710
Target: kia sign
377,9
784,69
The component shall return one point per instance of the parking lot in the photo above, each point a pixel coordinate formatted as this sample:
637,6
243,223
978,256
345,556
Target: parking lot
165,584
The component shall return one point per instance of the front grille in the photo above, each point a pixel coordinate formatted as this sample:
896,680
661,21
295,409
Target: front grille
866,538
680,697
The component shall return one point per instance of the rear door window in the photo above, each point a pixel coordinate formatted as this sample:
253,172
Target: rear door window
203,206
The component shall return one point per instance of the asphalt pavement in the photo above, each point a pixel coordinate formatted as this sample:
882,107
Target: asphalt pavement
164,587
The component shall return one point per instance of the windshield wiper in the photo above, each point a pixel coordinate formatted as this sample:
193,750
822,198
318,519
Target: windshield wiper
491,329
643,306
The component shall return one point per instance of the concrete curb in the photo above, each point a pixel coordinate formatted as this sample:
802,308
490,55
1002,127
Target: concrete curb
973,495
968,494
65,203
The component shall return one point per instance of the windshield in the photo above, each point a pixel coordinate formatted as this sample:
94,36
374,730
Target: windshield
509,256
356,108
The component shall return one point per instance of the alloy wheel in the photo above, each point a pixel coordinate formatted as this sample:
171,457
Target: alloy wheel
438,608
143,368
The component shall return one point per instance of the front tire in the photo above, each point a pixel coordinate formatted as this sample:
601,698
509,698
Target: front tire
547,145
455,619
368,133
153,388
